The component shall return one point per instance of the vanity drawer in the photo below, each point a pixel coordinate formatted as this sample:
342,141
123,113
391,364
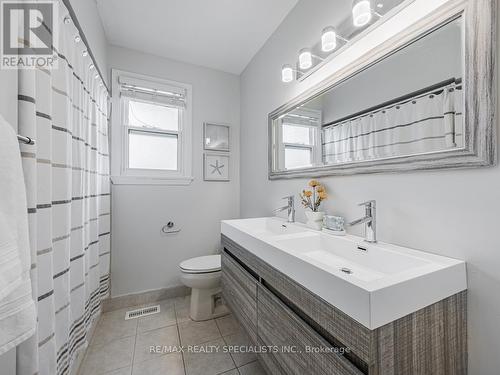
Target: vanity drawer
345,330
279,326
250,260
240,293
236,271
333,323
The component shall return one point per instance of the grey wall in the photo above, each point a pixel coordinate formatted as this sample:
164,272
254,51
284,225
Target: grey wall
453,212
142,259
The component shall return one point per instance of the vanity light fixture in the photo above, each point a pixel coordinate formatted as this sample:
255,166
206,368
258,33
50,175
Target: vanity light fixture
77,39
287,73
67,20
91,66
305,58
361,12
96,76
85,53
328,39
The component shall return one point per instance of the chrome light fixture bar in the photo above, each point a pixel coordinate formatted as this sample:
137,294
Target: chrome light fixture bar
356,24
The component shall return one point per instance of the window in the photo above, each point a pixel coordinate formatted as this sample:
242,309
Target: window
299,140
297,157
154,124
153,135
149,150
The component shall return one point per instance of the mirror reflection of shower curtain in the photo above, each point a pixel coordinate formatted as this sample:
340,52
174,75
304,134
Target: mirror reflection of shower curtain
68,193
430,123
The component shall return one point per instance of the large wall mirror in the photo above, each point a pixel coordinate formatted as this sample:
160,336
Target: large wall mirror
429,103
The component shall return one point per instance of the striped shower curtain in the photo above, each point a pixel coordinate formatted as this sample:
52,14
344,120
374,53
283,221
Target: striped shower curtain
67,178
427,123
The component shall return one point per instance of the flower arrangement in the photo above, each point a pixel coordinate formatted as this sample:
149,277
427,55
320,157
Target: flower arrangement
312,198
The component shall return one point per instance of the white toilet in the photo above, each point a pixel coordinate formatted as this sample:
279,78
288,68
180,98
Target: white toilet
202,275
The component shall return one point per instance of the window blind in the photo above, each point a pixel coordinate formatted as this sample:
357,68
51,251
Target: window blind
294,119
151,92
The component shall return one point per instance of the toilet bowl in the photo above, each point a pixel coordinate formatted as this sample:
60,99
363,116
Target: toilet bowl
202,275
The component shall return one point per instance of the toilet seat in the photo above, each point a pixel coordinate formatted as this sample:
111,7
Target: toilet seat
203,264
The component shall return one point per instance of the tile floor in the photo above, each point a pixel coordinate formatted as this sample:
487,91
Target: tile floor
122,347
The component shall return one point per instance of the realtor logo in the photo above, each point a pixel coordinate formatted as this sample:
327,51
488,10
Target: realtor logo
29,32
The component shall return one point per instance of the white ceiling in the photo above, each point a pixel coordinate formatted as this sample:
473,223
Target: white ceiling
219,34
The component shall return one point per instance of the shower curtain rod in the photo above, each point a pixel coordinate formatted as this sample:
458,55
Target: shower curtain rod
426,90
72,14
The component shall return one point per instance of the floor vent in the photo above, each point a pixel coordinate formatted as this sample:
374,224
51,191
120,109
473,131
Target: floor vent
150,310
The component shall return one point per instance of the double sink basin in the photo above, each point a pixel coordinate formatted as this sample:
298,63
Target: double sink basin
374,284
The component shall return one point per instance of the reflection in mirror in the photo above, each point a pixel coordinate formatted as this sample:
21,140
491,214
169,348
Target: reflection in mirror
409,103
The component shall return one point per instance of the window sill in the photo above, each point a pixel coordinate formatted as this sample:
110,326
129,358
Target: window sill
134,180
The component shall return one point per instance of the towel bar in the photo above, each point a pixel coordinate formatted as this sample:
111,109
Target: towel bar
27,140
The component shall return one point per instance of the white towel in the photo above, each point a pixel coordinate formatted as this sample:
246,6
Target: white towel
17,308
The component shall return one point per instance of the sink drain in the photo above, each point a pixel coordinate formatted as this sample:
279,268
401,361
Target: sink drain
346,270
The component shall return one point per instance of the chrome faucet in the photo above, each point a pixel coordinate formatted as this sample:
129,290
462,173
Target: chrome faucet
369,220
290,207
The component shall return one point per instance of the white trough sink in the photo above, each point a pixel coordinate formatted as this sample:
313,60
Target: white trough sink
374,284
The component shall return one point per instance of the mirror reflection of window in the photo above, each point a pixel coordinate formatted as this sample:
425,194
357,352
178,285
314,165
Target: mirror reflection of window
300,145
297,134
297,157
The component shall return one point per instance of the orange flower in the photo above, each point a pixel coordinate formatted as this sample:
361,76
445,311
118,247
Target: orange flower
313,183
308,193
322,195
320,189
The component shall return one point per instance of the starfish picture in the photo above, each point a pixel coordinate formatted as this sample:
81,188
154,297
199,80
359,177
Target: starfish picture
217,168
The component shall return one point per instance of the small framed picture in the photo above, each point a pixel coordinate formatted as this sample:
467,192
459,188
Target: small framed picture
216,167
215,137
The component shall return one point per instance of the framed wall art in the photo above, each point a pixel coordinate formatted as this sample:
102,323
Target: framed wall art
216,167
216,137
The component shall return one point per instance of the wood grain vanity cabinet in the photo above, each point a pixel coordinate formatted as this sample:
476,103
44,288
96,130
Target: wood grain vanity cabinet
240,292
304,334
